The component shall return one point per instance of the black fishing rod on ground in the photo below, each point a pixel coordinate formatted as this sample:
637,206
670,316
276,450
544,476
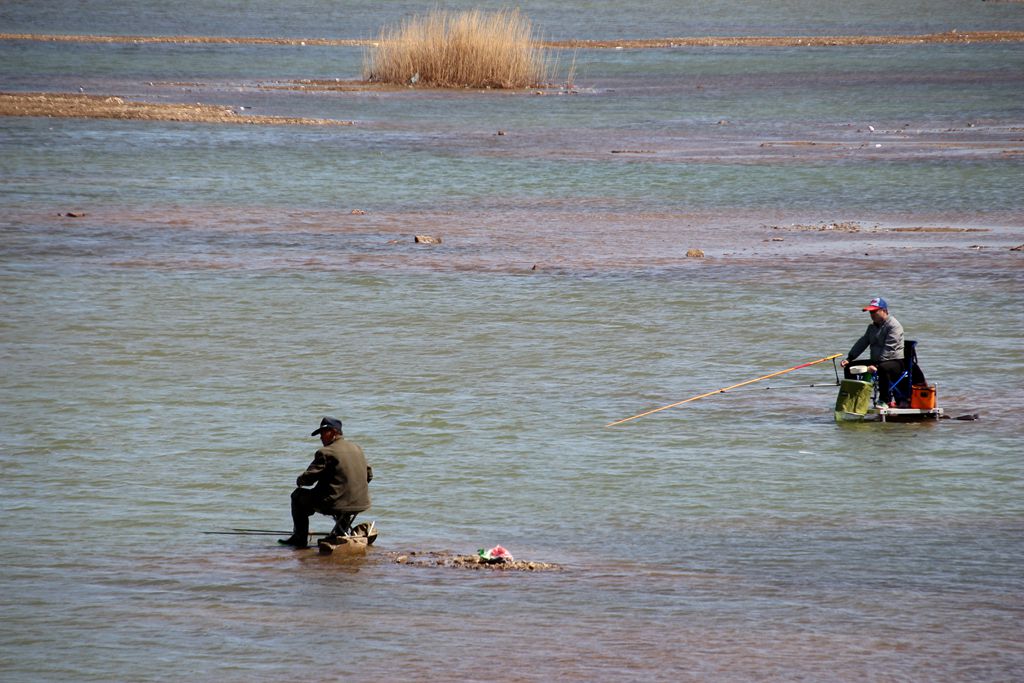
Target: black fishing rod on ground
262,532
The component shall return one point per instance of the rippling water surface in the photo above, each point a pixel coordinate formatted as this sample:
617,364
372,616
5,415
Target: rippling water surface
166,354
595,19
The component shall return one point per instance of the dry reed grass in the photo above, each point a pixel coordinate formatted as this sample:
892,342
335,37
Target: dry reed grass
460,49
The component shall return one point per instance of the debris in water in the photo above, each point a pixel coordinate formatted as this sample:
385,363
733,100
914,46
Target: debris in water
495,555
451,560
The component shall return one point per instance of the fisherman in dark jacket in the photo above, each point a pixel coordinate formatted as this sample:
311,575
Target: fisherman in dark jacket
339,477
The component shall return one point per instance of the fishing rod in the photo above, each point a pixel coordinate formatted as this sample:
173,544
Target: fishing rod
724,389
260,532
783,387
779,387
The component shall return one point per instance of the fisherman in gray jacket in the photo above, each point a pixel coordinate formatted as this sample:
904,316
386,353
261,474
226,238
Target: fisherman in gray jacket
339,477
884,337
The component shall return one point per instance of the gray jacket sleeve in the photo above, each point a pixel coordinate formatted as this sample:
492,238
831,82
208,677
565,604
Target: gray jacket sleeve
859,345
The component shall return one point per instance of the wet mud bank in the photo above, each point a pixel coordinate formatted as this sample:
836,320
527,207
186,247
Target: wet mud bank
60,105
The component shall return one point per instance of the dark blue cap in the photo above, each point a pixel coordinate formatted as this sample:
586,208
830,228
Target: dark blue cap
328,423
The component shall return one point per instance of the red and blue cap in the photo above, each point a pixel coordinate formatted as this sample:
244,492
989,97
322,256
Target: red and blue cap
876,304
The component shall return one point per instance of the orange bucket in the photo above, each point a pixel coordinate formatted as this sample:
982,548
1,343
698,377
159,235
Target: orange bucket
922,396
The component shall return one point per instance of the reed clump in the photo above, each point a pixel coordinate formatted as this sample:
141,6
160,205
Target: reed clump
473,49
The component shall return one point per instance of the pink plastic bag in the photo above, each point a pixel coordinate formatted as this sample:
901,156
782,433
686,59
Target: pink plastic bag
496,554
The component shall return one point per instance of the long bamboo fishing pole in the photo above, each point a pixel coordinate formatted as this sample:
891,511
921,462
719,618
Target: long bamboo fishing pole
724,389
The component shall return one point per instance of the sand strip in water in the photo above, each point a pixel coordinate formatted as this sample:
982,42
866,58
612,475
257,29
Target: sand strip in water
106,107
643,43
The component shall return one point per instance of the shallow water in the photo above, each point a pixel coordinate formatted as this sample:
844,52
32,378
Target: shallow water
166,354
555,20
735,537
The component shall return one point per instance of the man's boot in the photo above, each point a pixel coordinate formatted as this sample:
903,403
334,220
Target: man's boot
294,540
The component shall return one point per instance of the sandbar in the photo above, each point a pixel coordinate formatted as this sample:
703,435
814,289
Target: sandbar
65,105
